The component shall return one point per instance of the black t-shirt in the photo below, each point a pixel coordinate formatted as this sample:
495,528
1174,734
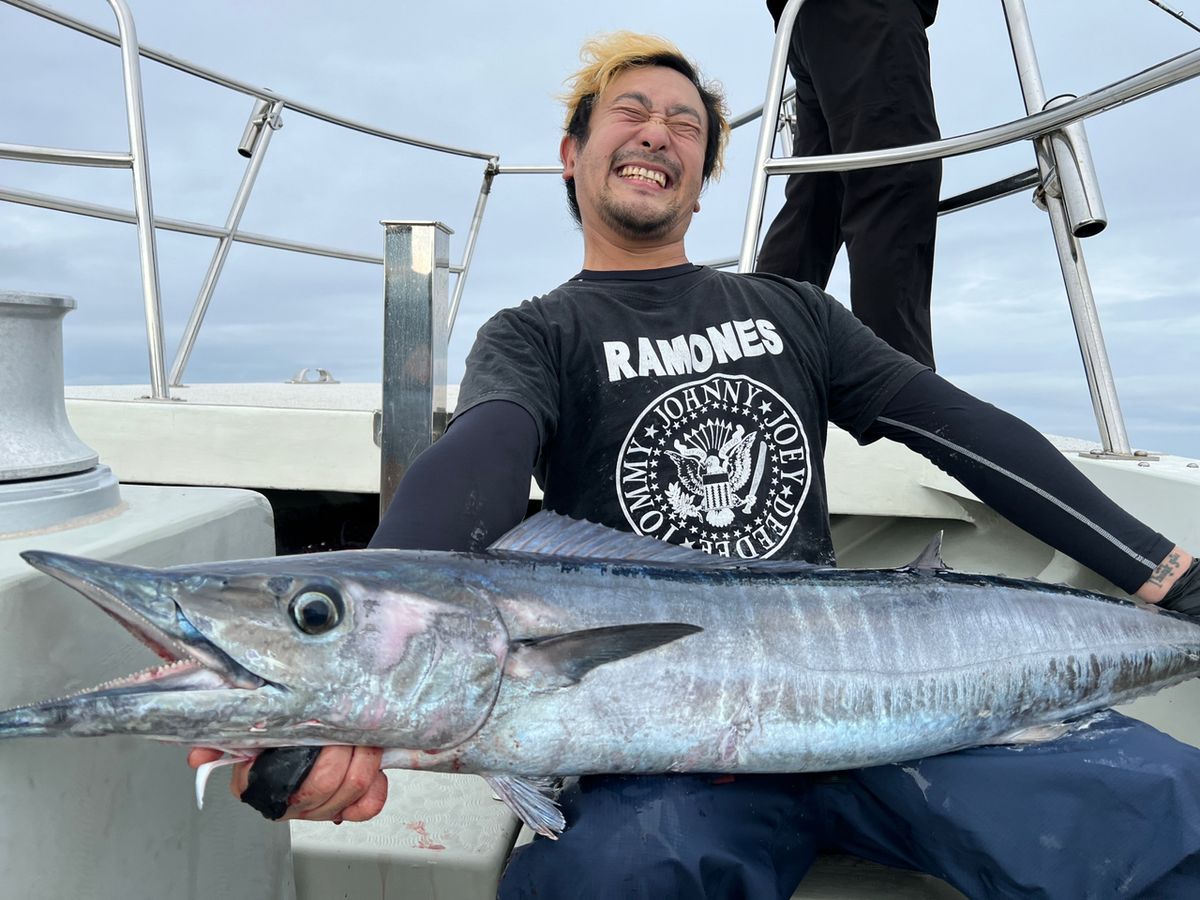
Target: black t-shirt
688,404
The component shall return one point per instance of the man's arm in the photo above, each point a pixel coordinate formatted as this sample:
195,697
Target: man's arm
461,494
1016,471
1183,594
469,488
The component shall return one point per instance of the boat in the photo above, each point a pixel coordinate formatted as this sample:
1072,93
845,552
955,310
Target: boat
163,468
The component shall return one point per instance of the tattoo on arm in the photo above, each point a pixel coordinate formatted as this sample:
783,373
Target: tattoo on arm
1169,567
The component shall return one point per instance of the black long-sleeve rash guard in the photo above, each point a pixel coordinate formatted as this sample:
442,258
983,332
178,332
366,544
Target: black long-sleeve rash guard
467,489
1017,472
471,486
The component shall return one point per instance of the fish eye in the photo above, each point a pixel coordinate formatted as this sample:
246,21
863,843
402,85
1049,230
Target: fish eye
316,611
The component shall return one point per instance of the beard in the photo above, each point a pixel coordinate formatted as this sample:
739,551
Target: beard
632,220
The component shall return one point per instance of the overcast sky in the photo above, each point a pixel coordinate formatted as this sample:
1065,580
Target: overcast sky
486,77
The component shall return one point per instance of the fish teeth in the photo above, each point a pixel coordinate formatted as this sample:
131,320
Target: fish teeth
144,676
147,675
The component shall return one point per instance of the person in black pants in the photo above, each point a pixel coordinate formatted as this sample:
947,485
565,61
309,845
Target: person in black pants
862,83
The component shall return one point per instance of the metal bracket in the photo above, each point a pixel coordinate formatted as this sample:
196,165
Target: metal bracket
265,113
323,376
1140,456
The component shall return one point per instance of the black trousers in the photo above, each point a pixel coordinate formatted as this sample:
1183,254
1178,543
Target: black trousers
862,83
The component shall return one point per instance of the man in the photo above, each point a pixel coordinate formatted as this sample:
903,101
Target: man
642,366
862,83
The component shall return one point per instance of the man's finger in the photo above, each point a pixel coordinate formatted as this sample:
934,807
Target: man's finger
371,803
314,801
239,778
198,756
323,781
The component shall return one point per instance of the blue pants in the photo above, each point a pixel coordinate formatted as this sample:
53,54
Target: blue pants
1110,811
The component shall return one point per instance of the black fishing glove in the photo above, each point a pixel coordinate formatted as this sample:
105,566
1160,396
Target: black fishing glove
275,776
1184,595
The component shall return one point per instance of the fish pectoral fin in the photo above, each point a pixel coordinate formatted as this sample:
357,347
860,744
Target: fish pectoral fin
572,655
532,801
1040,734
1035,734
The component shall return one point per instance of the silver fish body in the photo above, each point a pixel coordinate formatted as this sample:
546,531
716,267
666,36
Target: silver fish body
572,649
808,671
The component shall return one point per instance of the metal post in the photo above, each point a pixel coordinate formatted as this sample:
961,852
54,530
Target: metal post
766,136
416,269
1070,255
268,123
489,174
142,205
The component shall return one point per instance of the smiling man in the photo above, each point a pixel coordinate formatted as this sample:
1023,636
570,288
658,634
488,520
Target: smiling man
636,160
691,405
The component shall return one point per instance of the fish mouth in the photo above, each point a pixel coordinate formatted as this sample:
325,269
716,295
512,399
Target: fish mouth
141,601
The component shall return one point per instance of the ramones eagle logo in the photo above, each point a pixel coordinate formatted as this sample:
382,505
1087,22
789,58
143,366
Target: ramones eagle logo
720,464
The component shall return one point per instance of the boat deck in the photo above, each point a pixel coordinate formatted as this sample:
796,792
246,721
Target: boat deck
324,437
283,436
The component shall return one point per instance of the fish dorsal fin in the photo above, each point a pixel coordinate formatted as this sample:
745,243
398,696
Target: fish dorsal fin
551,534
930,559
532,800
564,659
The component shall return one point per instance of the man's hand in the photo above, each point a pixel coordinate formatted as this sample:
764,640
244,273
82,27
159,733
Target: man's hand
345,784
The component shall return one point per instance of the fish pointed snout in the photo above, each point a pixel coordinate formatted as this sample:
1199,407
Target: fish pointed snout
60,565
113,587
29,721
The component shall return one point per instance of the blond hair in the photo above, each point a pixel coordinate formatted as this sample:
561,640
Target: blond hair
607,56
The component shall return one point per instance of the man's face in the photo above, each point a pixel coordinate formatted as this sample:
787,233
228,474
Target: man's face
638,175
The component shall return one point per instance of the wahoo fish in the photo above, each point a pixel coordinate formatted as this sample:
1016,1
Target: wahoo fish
568,648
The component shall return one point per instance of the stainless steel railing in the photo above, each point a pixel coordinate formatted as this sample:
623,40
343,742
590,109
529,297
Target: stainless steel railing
1070,194
264,120
1069,190
135,159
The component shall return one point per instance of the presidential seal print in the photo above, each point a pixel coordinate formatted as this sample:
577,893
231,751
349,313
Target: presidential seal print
721,465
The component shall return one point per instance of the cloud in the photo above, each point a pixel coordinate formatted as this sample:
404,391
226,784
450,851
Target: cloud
1002,323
